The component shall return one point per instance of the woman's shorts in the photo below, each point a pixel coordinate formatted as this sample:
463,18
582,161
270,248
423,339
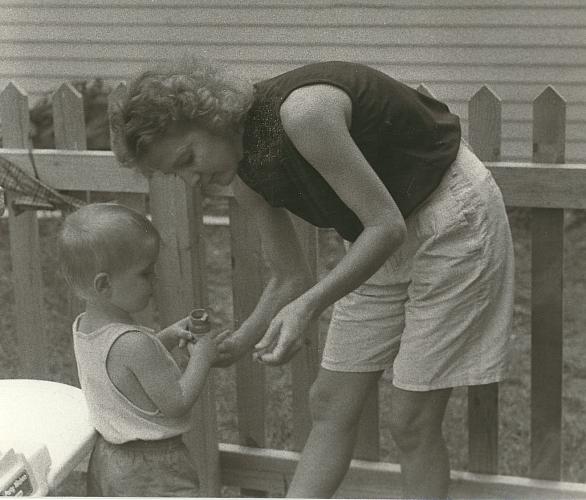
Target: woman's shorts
142,469
439,311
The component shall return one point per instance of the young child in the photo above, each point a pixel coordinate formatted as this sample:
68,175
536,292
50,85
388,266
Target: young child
138,399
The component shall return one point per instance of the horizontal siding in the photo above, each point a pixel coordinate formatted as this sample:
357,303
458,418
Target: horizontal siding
517,47
441,73
405,35
501,58
296,14
309,4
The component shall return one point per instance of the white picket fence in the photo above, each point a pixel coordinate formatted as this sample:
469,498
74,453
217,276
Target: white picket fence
547,184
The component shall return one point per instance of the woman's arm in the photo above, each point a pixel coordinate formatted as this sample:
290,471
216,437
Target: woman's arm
317,119
289,274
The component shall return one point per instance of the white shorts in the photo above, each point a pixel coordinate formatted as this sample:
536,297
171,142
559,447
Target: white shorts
440,309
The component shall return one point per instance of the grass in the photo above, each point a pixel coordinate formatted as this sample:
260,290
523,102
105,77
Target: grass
514,394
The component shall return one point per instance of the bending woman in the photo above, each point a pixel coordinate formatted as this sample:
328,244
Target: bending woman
426,285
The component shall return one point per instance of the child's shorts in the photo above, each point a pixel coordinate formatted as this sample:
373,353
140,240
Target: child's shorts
439,311
142,469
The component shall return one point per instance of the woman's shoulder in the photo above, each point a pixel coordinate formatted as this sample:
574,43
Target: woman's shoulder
314,100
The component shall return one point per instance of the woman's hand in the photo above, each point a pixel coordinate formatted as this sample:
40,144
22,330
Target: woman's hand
284,337
233,347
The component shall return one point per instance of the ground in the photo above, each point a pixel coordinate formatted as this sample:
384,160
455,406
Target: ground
514,393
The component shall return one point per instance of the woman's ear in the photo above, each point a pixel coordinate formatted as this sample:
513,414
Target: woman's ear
102,283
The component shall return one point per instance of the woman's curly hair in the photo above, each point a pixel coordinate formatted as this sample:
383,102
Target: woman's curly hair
189,91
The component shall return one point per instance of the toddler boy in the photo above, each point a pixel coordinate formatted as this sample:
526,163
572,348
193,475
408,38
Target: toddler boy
138,399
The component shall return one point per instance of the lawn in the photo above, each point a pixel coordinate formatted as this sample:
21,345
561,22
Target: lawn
514,394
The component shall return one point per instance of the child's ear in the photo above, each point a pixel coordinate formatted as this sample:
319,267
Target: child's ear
102,283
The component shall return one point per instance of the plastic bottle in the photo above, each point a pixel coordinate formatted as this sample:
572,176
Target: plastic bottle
21,477
199,322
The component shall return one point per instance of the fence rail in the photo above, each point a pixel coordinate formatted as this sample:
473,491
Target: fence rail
547,185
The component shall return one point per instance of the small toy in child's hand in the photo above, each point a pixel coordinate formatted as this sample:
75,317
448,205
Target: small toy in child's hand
199,321
198,325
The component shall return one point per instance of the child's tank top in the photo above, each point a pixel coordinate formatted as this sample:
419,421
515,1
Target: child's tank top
111,413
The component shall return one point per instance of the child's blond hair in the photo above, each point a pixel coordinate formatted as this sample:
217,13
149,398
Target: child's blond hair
102,237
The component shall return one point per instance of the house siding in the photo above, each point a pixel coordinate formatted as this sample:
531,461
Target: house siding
516,47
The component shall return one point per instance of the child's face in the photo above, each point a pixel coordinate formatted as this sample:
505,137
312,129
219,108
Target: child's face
133,287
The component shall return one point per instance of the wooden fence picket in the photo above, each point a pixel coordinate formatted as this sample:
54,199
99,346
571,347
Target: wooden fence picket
247,287
547,254
423,89
68,119
368,439
485,124
484,135
305,364
177,214
247,276
24,247
137,201
70,133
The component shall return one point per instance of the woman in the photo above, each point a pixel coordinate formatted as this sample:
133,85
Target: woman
426,283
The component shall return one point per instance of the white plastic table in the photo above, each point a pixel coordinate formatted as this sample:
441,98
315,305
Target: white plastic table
34,412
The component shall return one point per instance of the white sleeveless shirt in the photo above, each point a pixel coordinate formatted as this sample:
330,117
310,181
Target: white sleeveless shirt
111,413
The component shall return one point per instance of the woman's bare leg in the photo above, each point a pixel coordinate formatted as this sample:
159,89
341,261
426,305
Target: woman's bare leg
336,401
416,426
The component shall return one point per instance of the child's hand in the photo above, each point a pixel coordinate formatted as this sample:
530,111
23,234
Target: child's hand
208,343
177,333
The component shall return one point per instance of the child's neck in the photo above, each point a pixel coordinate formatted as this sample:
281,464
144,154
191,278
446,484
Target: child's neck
99,314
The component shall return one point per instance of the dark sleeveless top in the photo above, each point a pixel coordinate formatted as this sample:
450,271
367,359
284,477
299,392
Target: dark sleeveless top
409,139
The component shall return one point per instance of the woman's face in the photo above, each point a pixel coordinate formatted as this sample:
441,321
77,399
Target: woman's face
196,155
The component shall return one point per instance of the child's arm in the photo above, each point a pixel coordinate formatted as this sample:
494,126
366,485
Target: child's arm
172,392
202,355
